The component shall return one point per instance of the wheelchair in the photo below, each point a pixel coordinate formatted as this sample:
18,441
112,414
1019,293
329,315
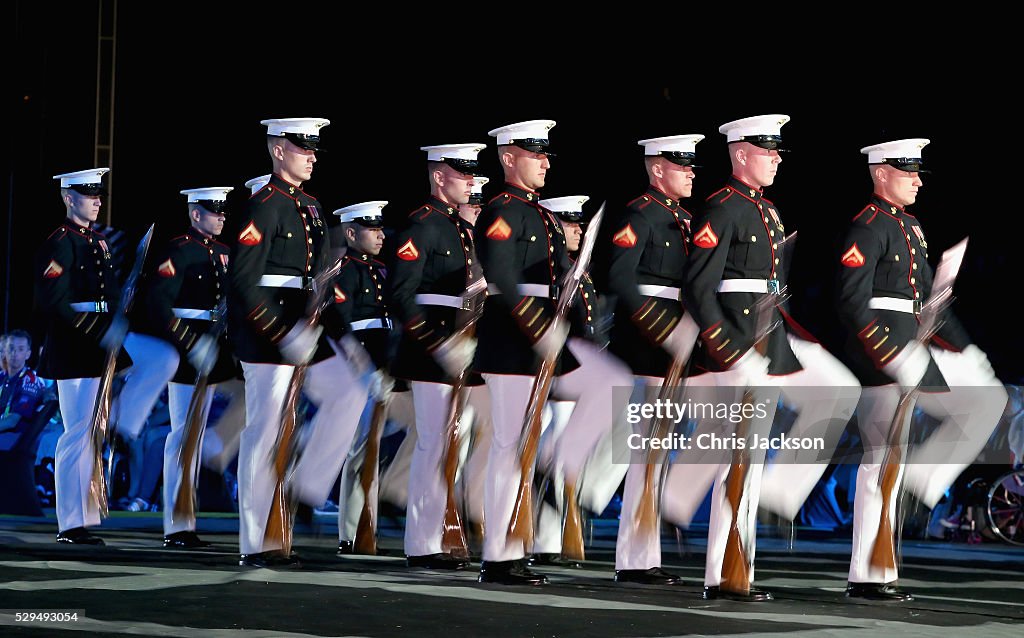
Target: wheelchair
1005,507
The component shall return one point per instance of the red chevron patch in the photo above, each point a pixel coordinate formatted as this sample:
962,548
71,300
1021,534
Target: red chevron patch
625,238
408,251
499,230
166,269
250,235
706,238
853,257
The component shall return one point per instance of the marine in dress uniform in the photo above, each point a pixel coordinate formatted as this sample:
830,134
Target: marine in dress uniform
282,245
524,256
359,297
220,441
648,253
435,262
76,292
176,309
734,262
598,475
883,279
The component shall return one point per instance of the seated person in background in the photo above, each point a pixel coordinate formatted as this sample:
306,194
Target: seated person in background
21,391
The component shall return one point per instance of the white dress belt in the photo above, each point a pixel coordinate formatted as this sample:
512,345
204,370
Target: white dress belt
762,286
90,306
449,301
908,306
194,313
367,324
281,281
665,292
527,290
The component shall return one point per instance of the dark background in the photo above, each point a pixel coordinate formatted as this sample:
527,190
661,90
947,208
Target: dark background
192,86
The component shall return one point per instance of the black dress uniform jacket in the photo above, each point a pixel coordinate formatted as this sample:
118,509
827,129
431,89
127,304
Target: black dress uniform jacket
283,233
585,315
74,266
435,255
519,241
886,255
359,295
736,237
190,274
649,247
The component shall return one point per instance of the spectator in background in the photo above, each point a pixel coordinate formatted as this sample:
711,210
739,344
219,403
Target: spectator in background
21,391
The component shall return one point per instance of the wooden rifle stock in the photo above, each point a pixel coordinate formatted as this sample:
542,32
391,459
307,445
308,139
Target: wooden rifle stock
453,534
365,542
646,519
883,553
279,523
100,432
195,423
521,524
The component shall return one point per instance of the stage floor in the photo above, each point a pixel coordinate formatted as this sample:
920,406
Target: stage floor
134,587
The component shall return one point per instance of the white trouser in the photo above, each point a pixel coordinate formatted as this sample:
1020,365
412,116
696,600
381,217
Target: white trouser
179,395
220,443
824,395
475,471
874,416
547,537
340,398
73,459
641,549
591,385
154,363
394,481
969,412
424,515
351,496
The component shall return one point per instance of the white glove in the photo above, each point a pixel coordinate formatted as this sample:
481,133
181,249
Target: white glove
113,338
353,350
297,347
977,358
909,366
753,368
551,342
455,354
203,354
379,386
679,343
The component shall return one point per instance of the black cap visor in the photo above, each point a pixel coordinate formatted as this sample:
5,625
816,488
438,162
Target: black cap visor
534,145
464,166
767,142
681,158
908,164
88,189
302,140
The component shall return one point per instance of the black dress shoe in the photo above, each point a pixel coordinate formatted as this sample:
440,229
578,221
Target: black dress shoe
877,591
755,595
553,560
345,547
652,576
79,536
509,572
184,540
437,561
274,558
